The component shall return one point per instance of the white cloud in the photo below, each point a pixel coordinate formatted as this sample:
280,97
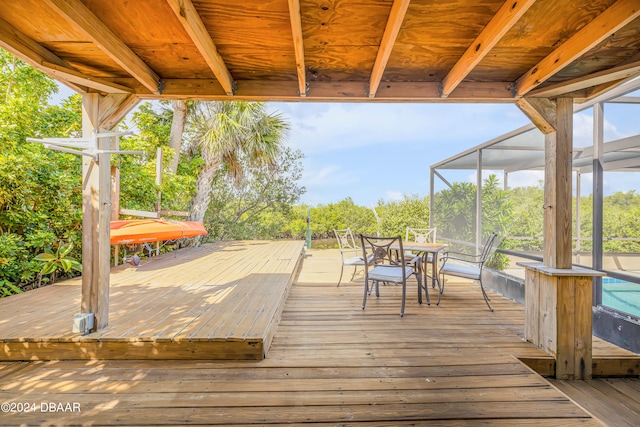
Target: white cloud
393,195
526,178
331,127
583,130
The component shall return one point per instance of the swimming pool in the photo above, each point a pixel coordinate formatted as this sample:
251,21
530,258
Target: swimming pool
621,295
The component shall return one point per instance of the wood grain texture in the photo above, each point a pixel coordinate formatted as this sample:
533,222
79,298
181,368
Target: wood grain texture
217,301
330,362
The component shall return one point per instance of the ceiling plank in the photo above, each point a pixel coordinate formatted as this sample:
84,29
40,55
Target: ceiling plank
615,17
595,79
192,23
510,12
396,16
78,15
298,45
75,77
541,112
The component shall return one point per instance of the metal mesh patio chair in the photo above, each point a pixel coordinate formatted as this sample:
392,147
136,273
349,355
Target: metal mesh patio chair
422,235
387,264
468,266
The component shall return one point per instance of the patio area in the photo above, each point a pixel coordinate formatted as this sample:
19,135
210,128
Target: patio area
332,363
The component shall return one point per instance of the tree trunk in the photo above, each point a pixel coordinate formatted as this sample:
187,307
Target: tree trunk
175,138
202,197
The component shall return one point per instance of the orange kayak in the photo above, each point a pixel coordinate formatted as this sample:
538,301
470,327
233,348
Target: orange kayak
153,230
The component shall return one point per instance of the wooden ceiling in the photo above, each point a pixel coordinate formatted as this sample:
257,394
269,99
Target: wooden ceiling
329,50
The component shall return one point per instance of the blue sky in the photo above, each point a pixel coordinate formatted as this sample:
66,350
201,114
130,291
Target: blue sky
383,151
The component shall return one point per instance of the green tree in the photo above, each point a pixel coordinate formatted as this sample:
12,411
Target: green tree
455,208
259,205
225,132
40,190
396,216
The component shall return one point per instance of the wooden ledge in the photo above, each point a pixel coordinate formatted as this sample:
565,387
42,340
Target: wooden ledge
549,271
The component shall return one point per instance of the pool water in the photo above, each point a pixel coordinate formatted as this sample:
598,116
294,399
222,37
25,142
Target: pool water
621,295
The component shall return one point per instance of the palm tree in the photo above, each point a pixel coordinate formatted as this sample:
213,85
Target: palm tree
178,122
227,131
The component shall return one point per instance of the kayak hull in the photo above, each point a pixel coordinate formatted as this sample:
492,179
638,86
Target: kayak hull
129,232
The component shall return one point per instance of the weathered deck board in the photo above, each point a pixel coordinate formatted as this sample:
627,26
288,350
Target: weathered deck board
214,301
330,363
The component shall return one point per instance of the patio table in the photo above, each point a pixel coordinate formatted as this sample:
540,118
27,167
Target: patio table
425,249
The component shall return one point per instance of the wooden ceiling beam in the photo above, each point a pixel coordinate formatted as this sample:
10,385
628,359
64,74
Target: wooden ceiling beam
78,15
506,17
396,16
269,90
75,77
298,45
192,23
615,17
615,74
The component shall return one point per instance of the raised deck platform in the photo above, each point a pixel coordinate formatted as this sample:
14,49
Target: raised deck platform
216,301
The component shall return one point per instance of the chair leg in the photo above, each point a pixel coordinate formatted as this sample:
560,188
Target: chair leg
404,294
355,268
423,285
366,292
341,271
484,294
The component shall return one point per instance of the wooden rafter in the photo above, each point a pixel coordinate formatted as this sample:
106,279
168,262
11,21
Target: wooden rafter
25,48
33,53
603,77
192,23
70,75
78,15
615,17
298,45
510,12
396,16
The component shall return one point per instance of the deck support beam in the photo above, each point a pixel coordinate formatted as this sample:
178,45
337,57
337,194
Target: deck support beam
558,297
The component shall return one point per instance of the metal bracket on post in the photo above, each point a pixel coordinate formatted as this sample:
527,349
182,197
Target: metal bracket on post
83,146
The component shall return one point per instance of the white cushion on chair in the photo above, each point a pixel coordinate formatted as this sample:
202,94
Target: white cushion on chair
460,270
357,260
386,273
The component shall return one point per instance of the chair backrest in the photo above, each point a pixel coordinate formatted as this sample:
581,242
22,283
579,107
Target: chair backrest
378,250
488,247
420,235
346,241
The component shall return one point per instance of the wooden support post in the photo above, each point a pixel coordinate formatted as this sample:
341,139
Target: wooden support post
96,206
558,297
91,292
557,204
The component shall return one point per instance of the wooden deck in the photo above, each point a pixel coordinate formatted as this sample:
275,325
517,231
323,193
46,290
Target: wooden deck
217,301
330,363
